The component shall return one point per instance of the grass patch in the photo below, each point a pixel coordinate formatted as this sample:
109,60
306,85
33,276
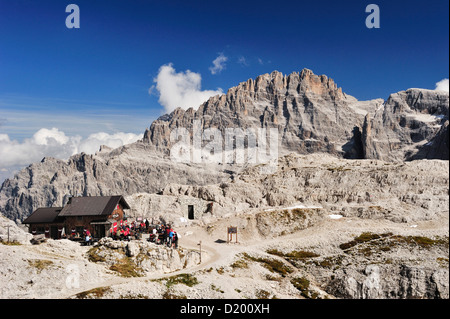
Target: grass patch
40,264
273,278
271,264
262,294
10,243
330,262
442,261
338,169
93,255
423,242
126,268
239,264
96,292
302,284
185,279
171,296
293,255
213,287
363,238
130,296
385,242
220,270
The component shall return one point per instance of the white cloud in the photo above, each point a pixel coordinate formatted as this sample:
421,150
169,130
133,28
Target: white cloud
218,64
45,137
442,85
243,61
93,142
54,143
182,89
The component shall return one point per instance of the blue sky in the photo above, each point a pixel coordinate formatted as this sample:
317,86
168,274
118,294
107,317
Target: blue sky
97,78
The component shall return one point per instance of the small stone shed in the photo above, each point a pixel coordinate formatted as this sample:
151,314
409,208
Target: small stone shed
194,208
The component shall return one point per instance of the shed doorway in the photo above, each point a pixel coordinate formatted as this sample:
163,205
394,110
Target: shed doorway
190,211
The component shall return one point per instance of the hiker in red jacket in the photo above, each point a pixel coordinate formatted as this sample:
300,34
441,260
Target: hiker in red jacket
168,230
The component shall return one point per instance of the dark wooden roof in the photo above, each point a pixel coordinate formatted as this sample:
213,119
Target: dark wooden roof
93,206
44,215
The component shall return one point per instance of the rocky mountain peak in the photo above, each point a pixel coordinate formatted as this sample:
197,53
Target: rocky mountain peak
313,114
270,100
420,100
304,82
410,125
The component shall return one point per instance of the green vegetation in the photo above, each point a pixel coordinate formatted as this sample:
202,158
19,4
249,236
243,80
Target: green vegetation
220,270
338,169
442,261
271,264
385,242
302,284
169,295
363,238
131,296
273,278
330,262
294,255
423,242
96,292
126,268
185,279
262,294
239,264
40,264
10,243
93,255
213,287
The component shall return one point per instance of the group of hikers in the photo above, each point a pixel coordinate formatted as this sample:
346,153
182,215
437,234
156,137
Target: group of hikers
164,234
87,237
136,229
158,234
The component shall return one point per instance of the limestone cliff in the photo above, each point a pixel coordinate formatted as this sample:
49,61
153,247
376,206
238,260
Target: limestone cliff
313,115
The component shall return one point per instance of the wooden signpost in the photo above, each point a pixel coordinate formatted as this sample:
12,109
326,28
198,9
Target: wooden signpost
230,232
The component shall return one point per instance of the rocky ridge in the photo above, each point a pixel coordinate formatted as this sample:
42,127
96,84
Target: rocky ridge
383,233
400,192
127,170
